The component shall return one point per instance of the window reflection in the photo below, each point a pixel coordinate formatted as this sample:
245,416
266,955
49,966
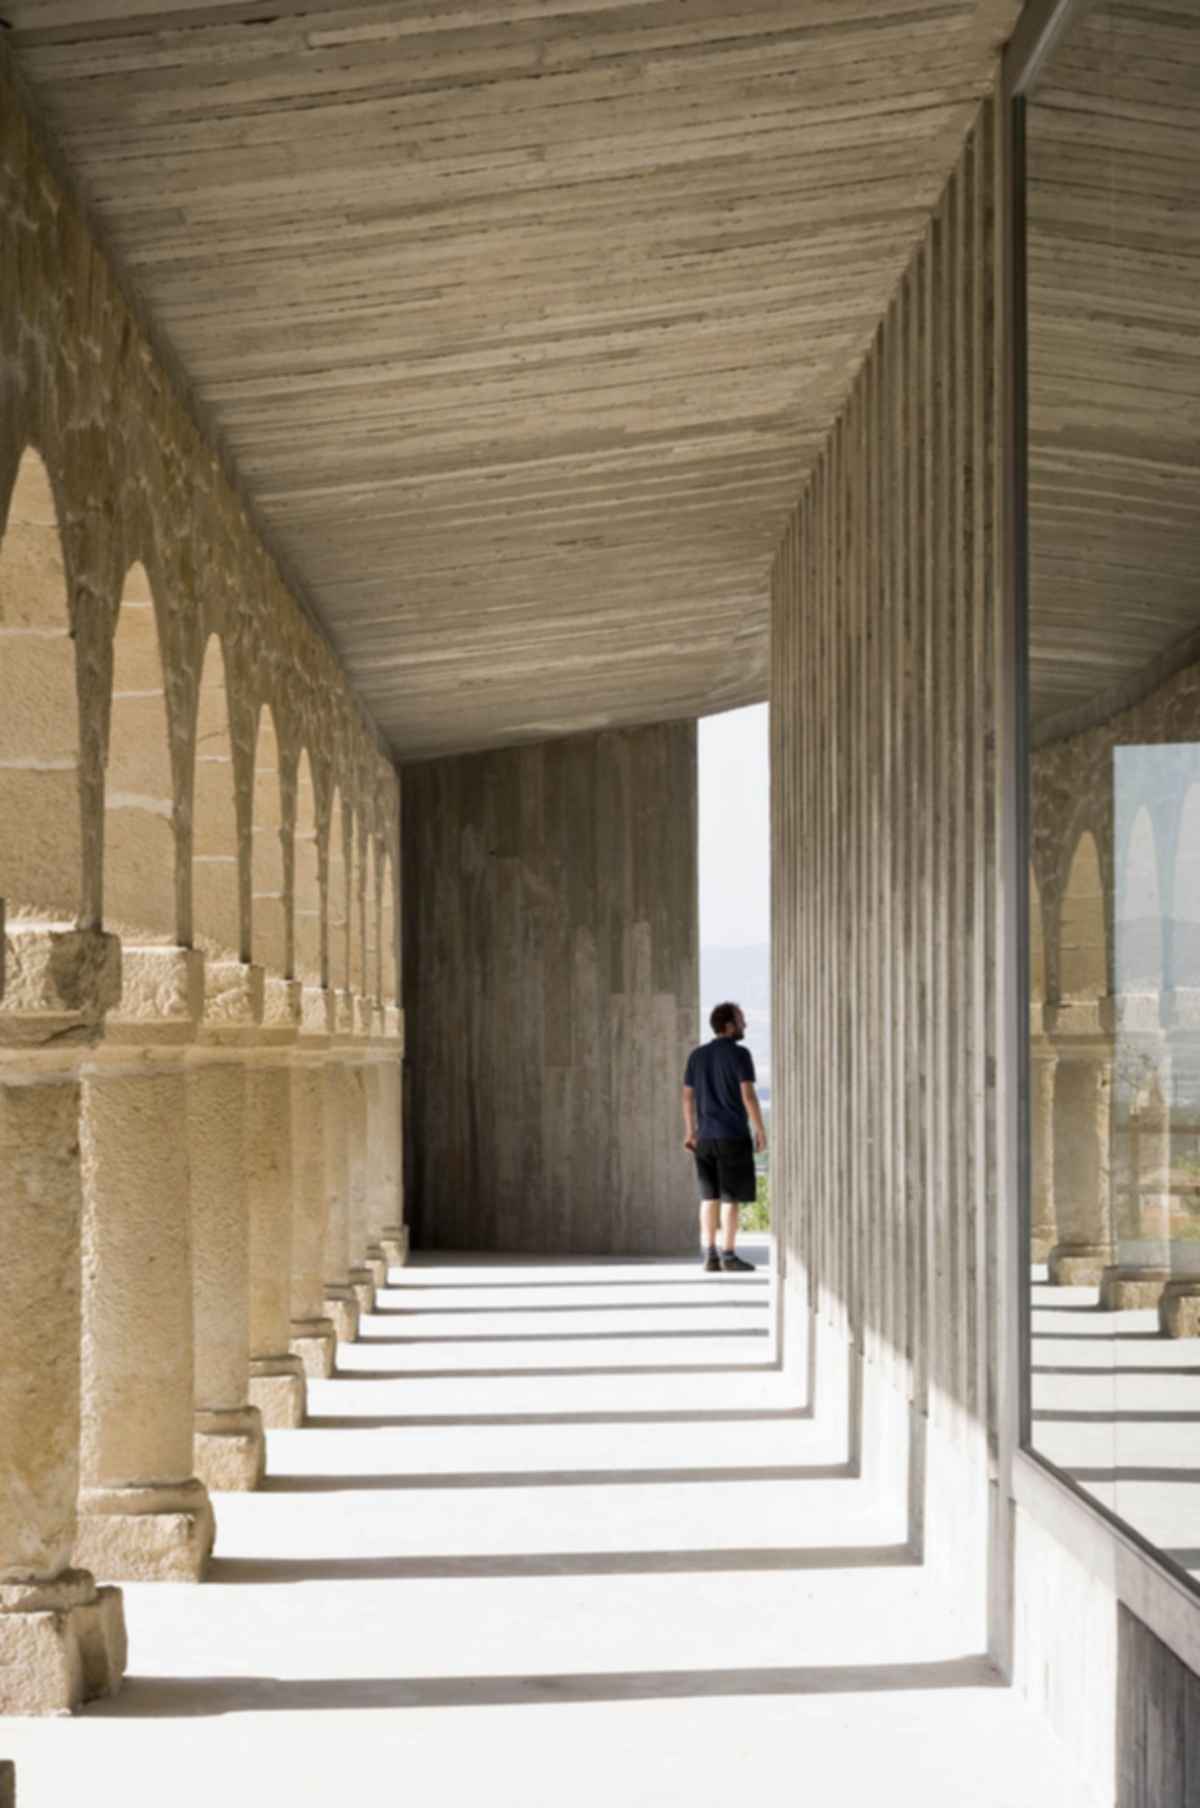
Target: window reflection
1112,135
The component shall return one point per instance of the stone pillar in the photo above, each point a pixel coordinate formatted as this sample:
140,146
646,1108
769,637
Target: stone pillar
313,1336
277,1383
358,1153
341,1302
62,1640
230,1451
1143,1214
394,1238
377,1197
1083,1041
1179,1304
144,1515
1043,1064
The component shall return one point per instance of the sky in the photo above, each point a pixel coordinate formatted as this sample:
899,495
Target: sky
735,834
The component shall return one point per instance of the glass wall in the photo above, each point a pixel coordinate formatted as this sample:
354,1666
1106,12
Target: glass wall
1112,253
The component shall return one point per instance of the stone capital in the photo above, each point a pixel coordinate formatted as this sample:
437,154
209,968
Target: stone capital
59,983
162,997
317,1016
233,1002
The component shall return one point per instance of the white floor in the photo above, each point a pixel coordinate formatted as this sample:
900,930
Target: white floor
558,1537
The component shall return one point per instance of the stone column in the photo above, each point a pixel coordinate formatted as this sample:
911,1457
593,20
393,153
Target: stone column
230,1451
394,1237
1143,1214
341,1302
1043,1064
144,1515
377,1197
62,1640
1179,1304
1082,1034
358,1152
277,1384
313,1335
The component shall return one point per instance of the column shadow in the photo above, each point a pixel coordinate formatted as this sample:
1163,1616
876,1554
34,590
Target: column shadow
201,1696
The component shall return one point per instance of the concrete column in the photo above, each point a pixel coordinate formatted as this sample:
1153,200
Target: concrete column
230,1451
341,1302
144,1515
1143,1216
313,1336
1043,1068
394,1238
1082,1137
277,1383
62,1640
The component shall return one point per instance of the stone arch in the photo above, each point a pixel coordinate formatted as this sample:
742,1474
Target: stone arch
306,889
268,921
139,798
1185,894
216,905
41,869
1083,953
1138,910
337,893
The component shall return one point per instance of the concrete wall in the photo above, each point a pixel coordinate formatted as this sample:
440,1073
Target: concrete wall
550,979
887,845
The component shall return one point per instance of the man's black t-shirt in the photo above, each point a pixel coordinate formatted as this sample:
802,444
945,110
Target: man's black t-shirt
716,1071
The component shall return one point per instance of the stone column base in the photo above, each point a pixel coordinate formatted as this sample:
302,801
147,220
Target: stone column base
1179,1309
341,1305
61,1643
314,1342
362,1285
278,1390
394,1243
1127,1289
228,1448
158,1533
1078,1264
376,1264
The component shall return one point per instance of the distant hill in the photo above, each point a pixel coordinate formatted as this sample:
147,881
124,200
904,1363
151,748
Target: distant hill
743,975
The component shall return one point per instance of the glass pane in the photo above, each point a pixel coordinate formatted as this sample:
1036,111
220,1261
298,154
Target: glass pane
1113,326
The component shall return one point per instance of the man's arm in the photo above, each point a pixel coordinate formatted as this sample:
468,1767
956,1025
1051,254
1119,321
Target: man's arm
754,1109
689,1117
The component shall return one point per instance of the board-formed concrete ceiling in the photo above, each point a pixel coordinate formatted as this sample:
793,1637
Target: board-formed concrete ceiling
520,320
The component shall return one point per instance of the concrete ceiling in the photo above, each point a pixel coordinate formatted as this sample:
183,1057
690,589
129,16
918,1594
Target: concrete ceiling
521,320
1113,135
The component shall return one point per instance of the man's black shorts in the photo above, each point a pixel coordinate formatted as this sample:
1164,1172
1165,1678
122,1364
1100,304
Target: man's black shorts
725,1169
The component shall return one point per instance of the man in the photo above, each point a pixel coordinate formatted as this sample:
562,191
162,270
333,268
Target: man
719,1106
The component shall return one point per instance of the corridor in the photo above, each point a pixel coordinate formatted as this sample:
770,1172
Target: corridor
556,1532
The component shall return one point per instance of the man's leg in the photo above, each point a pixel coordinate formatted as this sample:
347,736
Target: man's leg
730,1224
708,1222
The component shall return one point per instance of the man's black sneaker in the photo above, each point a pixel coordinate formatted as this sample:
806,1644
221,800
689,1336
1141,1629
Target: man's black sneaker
712,1262
733,1264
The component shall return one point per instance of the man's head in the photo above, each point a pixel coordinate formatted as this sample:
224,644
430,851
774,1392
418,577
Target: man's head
728,1020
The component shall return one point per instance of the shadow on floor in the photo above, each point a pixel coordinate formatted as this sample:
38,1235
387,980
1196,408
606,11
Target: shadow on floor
700,1280
687,1305
537,1374
687,1415
259,1570
148,1697
554,1478
458,1338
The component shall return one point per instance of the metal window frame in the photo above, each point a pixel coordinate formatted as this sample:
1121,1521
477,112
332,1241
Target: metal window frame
1159,1590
